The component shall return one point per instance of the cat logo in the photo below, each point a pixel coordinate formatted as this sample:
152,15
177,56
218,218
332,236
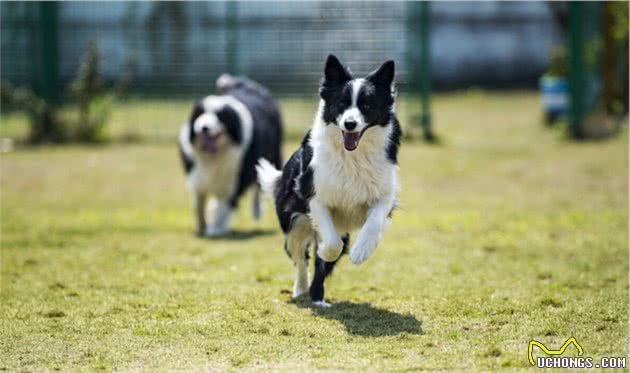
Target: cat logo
553,352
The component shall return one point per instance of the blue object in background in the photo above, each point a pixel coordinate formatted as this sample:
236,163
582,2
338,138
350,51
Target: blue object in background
555,97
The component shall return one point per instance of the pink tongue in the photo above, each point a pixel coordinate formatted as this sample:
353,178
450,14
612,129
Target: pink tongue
351,140
209,144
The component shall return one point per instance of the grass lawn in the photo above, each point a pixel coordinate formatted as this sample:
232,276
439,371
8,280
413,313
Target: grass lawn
507,232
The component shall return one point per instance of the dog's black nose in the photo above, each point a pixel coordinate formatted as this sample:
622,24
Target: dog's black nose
204,129
350,125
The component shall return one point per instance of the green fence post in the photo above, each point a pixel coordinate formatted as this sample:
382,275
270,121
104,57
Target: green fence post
231,42
49,52
425,69
576,68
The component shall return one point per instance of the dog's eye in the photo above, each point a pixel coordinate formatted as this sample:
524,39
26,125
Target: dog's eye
365,107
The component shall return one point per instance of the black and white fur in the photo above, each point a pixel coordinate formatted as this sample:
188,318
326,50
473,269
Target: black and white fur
343,177
220,143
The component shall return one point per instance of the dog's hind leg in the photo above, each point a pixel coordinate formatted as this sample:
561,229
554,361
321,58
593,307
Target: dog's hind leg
298,251
256,204
200,213
324,269
296,246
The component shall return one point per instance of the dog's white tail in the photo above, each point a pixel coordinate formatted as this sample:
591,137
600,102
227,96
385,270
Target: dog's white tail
224,82
268,176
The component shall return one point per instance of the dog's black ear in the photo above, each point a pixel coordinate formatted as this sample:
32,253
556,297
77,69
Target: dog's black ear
196,112
232,123
384,76
335,72
335,75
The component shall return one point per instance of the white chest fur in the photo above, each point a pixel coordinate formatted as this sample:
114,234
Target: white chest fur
216,174
349,183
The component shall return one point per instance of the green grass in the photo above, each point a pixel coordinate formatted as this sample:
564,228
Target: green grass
507,232
158,120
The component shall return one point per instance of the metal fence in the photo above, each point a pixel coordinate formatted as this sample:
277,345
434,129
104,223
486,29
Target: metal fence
181,47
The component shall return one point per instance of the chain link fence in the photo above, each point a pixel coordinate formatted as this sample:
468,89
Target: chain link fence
181,47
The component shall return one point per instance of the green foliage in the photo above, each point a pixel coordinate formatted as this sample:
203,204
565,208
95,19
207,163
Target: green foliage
559,65
44,122
94,101
620,28
499,239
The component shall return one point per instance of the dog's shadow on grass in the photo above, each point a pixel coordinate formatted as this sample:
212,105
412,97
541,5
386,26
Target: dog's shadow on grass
241,235
363,319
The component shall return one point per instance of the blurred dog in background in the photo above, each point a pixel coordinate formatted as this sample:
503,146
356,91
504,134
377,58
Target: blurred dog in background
220,144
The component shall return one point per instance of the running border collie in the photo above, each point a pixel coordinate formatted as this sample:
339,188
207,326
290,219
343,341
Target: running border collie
220,143
343,177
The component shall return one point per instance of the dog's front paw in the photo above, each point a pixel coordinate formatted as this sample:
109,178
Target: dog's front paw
363,249
214,231
329,250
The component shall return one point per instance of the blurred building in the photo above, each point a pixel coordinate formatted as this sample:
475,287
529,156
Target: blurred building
181,47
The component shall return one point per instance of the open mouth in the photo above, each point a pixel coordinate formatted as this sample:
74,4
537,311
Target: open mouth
351,140
209,142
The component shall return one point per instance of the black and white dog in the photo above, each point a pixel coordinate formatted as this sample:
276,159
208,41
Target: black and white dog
343,177
224,137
